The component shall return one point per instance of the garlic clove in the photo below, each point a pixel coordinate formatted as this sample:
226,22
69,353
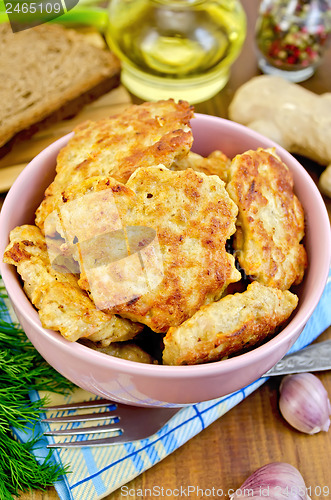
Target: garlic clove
276,481
304,403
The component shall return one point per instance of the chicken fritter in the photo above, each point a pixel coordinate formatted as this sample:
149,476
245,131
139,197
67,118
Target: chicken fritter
270,224
217,163
143,135
169,257
230,326
123,350
62,305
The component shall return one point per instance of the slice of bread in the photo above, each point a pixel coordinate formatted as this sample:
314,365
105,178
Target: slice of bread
44,71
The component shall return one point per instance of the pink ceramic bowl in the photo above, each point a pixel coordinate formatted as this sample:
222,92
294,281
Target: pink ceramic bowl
149,385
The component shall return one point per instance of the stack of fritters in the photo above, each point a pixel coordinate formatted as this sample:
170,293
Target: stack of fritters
134,233
192,216
62,304
143,135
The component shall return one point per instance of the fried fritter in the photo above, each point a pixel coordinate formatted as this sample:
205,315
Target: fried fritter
142,135
168,259
270,223
61,303
217,163
229,326
123,350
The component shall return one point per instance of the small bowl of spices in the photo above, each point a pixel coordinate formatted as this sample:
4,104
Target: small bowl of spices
291,37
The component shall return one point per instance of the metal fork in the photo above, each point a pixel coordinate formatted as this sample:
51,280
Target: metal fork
126,423
138,423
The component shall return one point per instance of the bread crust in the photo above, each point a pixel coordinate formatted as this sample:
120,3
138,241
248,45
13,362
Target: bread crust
63,67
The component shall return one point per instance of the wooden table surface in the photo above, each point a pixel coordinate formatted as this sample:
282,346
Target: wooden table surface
253,433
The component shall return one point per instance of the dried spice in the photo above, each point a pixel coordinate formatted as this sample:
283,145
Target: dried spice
293,35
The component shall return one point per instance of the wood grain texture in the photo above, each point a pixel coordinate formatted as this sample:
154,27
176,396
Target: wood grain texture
253,433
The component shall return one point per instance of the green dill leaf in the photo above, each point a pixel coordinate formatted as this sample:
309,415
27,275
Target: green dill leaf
23,369
18,412
21,469
23,364
14,365
5,493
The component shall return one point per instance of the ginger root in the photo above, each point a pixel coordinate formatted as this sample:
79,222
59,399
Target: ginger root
292,116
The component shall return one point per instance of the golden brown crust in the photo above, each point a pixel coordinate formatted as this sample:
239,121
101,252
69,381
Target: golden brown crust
61,304
123,350
188,266
229,327
270,223
143,222
217,163
143,135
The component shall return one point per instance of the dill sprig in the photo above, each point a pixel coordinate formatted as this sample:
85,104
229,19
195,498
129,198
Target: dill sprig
22,369
19,470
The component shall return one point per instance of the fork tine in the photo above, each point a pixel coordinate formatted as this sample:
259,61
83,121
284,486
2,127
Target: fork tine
82,417
98,403
89,442
136,423
84,430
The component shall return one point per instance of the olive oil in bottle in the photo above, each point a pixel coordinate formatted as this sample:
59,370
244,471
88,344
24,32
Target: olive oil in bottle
181,49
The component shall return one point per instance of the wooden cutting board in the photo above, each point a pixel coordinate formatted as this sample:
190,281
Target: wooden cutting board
12,164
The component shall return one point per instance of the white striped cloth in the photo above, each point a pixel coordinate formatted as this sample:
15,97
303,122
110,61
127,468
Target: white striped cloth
96,472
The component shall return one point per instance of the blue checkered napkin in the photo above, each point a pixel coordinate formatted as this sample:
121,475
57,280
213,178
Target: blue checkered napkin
96,472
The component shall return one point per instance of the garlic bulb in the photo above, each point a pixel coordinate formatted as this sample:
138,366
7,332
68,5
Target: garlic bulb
276,481
304,403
